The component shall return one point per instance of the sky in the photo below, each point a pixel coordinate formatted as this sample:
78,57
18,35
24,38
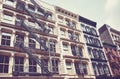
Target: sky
100,11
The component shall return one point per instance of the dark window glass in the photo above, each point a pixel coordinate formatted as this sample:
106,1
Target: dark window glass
20,6
31,8
80,52
85,68
55,66
19,63
19,21
18,40
52,47
73,49
77,68
44,42
32,43
32,65
4,63
45,64
6,39
70,35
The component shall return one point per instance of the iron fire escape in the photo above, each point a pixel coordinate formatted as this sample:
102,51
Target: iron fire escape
30,30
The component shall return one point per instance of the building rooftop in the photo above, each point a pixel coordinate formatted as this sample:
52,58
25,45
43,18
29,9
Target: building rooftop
87,21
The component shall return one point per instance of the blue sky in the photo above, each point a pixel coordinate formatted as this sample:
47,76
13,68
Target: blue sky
100,11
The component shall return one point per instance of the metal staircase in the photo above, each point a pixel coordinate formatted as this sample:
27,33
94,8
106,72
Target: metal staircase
45,71
32,14
26,49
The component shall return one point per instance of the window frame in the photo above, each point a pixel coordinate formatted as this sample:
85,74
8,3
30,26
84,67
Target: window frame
6,39
32,65
32,43
19,63
4,65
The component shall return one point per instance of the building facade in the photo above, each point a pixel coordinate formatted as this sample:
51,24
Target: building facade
94,48
12,56
111,43
74,61
66,57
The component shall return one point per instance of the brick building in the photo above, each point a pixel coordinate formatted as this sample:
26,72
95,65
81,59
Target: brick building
111,43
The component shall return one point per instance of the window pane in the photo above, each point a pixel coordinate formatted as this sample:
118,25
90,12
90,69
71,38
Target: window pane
6,59
1,68
5,68
1,58
6,37
20,6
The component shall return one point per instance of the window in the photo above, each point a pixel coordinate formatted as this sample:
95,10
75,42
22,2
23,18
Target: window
31,24
60,20
45,64
70,35
44,42
6,38
76,37
98,42
80,52
73,25
52,47
4,63
31,8
83,27
88,30
40,11
95,53
101,55
77,68
19,39
50,16
55,66
19,21
69,67
32,65
51,30
65,48
95,68
9,2
67,22
32,43
100,68
93,31
106,69
62,33
90,52
19,64
84,68
8,18
73,49
20,6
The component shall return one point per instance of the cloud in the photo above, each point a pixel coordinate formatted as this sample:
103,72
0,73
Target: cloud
113,12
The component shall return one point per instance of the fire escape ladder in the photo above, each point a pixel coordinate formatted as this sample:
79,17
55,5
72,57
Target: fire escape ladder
32,14
30,30
37,60
42,10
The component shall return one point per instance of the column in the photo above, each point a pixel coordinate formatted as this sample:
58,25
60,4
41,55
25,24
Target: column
26,64
11,63
12,42
26,40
